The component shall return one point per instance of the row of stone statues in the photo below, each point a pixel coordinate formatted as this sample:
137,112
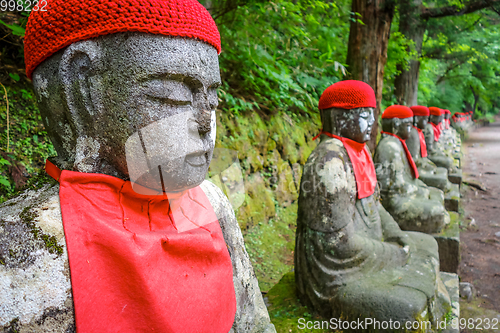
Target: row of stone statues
133,239
362,251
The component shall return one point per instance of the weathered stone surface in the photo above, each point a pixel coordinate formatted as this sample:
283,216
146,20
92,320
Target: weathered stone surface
35,285
413,205
348,261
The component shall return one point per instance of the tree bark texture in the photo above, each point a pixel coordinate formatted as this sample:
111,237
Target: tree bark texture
367,48
412,27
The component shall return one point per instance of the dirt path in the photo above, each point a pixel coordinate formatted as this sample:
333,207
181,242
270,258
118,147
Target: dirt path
480,247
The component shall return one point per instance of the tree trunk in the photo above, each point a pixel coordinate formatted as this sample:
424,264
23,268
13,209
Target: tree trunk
367,48
412,27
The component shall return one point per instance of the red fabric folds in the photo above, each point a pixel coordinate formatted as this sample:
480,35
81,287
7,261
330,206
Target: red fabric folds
413,166
437,131
362,164
133,270
423,146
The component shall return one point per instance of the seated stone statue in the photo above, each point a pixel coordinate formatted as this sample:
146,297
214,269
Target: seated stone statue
429,173
451,138
414,205
127,92
351,258
432,133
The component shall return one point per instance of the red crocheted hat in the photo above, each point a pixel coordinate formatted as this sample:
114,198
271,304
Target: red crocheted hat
349,94
397,111
420,110
447,111
435,111
67,21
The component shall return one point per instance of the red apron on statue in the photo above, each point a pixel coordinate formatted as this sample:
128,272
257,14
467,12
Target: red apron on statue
423,145
413,166
362,164
140,263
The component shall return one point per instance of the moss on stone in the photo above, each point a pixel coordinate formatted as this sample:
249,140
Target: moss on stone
272,150
28,218
270,246
285,309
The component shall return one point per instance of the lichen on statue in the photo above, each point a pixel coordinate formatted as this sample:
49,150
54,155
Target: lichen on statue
414,205
351,258
129,108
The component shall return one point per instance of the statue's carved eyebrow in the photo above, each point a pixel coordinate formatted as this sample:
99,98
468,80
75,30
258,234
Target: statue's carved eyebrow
193,81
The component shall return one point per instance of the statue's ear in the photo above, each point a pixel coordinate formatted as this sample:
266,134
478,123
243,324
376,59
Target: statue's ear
79,63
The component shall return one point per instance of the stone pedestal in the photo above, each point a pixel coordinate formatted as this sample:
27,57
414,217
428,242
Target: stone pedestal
456,177
449,245
451,283
452,198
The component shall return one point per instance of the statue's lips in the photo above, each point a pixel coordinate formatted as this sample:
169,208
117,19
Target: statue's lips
197,159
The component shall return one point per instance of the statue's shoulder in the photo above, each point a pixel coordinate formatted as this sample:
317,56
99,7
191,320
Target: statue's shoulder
388,147
219,201
36,292
330,150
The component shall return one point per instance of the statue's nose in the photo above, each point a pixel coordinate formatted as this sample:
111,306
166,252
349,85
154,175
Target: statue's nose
203,120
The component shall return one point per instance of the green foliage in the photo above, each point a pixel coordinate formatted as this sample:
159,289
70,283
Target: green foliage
460,65
280,56
29,142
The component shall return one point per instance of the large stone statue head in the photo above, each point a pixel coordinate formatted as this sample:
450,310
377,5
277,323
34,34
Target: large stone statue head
398,119
347,110
420,116
130,92
436,115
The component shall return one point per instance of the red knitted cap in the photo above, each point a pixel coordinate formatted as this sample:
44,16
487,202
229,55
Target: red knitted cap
447,111
349,94
397,111
435,111
67,21
420,110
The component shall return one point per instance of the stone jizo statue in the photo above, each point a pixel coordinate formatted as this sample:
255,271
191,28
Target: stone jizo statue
414,205
351,258
429,173
432,133
127,92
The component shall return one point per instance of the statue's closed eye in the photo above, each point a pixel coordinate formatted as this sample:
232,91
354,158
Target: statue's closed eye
170,91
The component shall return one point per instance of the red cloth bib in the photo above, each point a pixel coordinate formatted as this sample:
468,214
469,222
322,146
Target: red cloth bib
447,123
437,131
141,264
362,164
413,166
423,146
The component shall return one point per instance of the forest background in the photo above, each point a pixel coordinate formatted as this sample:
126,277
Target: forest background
277,58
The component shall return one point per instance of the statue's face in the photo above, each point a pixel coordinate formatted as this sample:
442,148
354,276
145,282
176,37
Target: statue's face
356,124
402,127
420,121
436,119
159,96
447,116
